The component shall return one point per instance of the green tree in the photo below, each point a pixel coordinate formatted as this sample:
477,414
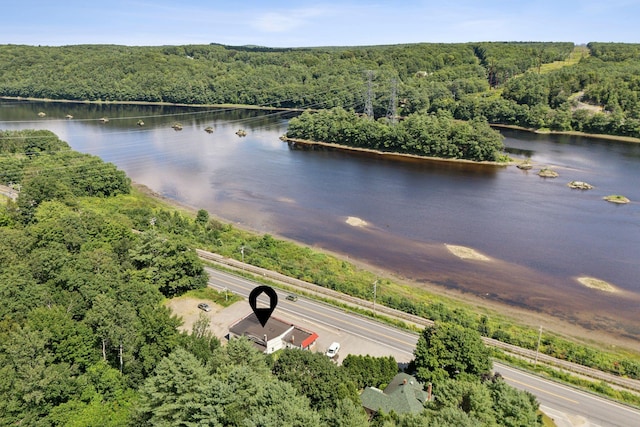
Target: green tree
168,264
104,400
157,336
345,414
446,350
116,325
368,371
182,392
315,376
68,341
202,218
472,397
30,386
513,407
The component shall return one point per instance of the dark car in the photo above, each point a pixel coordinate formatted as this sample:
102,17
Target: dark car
292,297
204,306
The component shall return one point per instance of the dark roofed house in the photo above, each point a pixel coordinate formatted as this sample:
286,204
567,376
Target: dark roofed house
404,394
275,335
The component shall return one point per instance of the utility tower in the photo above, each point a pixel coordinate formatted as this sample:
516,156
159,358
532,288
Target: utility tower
392,110
368,103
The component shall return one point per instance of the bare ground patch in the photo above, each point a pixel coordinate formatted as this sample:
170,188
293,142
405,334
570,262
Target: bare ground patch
187,309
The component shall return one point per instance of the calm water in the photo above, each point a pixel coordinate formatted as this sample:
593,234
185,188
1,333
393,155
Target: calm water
540,234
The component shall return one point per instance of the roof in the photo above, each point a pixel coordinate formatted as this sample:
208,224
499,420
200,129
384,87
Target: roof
300,337
290,334
404,394
251,327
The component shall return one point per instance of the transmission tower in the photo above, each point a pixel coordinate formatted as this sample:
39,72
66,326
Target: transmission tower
392,110
368,103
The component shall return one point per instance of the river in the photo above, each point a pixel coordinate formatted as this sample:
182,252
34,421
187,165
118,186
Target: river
540,235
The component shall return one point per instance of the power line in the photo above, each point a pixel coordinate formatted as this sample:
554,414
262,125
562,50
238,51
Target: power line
392,110
368,103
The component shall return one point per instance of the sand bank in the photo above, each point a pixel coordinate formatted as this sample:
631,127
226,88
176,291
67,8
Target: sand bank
593,283
466,253
355,221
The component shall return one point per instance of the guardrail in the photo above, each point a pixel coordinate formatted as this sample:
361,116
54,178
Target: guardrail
628,383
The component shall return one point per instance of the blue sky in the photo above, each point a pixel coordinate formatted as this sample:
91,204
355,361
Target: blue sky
305,23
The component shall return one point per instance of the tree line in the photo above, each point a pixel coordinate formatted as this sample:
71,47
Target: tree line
434,135
499,82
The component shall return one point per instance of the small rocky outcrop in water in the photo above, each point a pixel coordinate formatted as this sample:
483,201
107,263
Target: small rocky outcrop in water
548,173
525,166
241,132
208,129
176,126
580,185
616,198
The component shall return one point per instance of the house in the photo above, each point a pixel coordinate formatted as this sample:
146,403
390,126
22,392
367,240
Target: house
275,335
404,394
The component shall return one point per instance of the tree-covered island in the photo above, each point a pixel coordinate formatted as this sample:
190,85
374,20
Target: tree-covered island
432,135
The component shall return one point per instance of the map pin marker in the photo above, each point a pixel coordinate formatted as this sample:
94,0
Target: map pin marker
263,314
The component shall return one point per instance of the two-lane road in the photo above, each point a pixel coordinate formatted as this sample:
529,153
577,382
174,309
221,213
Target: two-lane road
559,400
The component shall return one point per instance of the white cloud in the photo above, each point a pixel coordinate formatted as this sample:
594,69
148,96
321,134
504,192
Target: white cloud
280,22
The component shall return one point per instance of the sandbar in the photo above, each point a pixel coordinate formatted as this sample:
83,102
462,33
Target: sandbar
593,283
463,252
355,221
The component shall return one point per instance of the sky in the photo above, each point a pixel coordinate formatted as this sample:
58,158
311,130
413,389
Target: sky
302,23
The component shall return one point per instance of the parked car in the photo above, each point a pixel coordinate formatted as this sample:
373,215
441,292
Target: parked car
292,297
204,306
332,351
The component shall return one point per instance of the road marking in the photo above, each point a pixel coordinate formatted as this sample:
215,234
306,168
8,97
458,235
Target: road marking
543,391
353,325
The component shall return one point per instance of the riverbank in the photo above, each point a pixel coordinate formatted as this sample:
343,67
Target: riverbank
489,305
157,103
387,154
299,110
569,133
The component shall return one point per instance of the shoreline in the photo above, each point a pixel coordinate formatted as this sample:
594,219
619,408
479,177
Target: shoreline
618,138
152,103
474,303
258,107
391,154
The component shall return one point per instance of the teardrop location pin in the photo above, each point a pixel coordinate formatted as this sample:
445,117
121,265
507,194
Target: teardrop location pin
263,314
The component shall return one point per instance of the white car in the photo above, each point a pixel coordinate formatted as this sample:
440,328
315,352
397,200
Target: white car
332,351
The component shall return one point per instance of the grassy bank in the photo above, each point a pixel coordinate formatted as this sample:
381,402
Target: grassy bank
334,272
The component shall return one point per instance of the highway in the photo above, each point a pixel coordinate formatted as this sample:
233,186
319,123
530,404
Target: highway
568,406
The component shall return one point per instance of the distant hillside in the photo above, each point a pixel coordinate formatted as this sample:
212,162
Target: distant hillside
501,82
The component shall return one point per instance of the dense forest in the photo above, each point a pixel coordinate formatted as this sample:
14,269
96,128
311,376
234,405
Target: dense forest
556,86
85,339
433,135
